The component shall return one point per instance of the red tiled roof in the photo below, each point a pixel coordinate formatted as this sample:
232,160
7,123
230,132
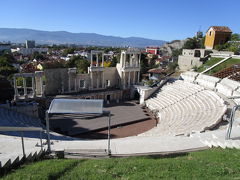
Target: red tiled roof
221,29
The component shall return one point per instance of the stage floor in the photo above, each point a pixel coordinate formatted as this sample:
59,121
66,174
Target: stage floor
122,113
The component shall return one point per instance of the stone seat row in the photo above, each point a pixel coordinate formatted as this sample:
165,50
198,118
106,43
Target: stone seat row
168,96
225,86
195,112
190,112
15,119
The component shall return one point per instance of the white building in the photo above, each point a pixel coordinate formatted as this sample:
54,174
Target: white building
29,51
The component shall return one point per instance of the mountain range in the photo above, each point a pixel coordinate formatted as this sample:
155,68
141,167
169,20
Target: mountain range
63,37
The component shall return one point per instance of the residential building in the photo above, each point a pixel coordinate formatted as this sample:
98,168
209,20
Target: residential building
29,51
152,50
217,35
30,44
191,58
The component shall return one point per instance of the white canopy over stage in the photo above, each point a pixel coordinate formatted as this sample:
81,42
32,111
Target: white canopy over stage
77,106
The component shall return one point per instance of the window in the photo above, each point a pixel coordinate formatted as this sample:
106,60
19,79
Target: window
210,33
108,83
82,83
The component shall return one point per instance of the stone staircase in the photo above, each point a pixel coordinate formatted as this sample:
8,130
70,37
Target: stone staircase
7,161
217,138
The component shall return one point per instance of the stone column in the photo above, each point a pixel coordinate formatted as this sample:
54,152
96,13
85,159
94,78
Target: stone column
24,87
131,60
138,77
75,84
62,85
97,80
103,80
91,77
129,80
41,86
69,83
102,60
91,60
33,87
134,77
15,88
139,59
124,80
97,60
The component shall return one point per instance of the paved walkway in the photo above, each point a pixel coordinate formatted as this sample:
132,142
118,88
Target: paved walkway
136,145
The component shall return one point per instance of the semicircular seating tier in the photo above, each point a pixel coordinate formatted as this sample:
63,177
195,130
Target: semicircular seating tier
226,86
15,119
183,108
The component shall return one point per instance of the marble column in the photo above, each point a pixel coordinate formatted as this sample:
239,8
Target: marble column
102,60
75,84
33,87
134,77
91,59
24,87
97,80
138,77
131,60
15,88
69,82
124,80
91,77
129,80
103,80
41,86
97,60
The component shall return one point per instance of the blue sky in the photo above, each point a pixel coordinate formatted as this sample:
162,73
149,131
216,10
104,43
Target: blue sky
155,19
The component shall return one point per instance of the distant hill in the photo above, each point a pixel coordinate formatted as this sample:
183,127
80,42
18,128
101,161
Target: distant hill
63,37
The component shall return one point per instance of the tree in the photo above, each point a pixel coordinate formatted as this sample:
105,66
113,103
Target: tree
235,37
144,64
203,42
114,61
38,56
68,51
107,64
73,61
192,43
6,69
54,64
82,66
172,66
176,53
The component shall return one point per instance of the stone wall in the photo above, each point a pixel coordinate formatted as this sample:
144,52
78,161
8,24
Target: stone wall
56,81
187,62
110,73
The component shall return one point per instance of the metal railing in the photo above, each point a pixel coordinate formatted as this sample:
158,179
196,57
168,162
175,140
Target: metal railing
21,130
231,120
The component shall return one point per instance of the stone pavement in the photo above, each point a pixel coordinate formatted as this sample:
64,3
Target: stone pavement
136,145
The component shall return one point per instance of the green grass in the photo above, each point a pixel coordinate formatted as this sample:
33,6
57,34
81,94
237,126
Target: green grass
208,164
218,68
